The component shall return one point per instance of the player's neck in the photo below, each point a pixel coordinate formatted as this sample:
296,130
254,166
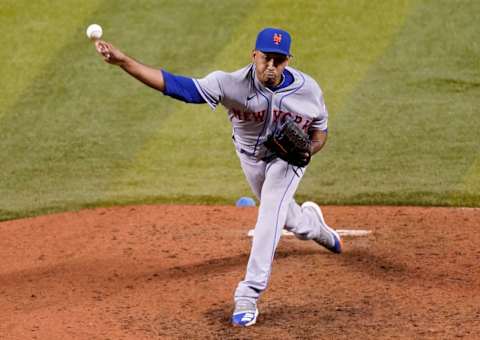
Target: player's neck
281,81
278,83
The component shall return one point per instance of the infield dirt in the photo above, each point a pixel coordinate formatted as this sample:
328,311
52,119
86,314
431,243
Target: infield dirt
169,272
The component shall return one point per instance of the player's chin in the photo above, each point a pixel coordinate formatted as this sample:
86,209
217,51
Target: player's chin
269,81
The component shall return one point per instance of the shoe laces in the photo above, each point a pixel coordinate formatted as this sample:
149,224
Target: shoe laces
244,306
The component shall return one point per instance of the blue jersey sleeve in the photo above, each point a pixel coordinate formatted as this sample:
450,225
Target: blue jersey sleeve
181,88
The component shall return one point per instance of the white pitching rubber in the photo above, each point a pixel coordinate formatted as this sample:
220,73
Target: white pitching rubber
341,232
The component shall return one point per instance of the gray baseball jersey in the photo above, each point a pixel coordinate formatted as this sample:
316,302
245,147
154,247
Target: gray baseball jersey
254,111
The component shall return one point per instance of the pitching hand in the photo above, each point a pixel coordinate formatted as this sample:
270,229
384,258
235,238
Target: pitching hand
111,54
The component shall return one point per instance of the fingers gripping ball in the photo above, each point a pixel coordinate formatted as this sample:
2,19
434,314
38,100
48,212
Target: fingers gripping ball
94,32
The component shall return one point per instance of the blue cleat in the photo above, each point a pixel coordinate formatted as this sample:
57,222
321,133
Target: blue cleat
328,237
245,313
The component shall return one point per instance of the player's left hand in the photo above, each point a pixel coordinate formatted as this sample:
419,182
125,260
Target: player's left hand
291,144
304,157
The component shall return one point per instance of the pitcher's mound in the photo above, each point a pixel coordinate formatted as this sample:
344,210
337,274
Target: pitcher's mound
151,272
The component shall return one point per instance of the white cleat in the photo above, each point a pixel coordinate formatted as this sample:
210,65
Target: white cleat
328,237
245,313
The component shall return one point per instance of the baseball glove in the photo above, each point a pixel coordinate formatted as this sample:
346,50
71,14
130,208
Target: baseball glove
290,143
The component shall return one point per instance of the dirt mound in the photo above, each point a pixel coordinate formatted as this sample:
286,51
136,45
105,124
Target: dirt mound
151,272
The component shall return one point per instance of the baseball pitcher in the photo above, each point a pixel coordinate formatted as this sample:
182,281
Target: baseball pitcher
279,121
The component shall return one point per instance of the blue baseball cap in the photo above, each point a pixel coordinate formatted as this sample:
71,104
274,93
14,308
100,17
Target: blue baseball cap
273,40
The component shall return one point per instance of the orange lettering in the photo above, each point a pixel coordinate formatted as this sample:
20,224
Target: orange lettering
277,39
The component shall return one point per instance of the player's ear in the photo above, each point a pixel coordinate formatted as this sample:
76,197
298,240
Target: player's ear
254,53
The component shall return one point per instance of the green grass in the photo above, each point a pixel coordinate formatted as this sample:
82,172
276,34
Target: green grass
409,133
401,81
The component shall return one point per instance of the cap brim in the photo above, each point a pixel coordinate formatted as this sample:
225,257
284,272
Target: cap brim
273,50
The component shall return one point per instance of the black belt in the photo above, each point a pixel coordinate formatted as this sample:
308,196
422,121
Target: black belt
266,159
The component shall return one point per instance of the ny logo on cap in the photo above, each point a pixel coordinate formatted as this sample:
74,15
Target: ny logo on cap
277,39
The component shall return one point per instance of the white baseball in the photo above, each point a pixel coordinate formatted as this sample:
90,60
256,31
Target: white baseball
94,31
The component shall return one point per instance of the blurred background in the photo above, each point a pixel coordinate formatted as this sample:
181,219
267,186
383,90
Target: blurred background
401,80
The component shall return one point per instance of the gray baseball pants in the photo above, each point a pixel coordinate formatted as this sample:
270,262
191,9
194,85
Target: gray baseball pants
274,184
